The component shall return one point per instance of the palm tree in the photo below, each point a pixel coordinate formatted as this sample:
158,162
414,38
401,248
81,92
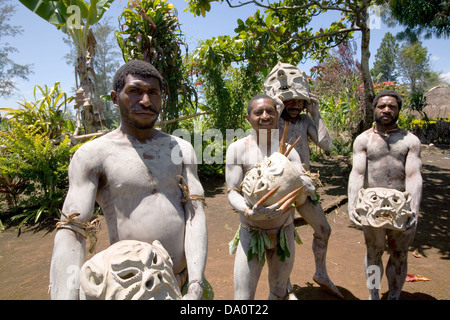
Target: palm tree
75,17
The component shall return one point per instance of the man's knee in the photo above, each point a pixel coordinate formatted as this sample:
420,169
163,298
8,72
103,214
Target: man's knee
323,232
399,255
374,252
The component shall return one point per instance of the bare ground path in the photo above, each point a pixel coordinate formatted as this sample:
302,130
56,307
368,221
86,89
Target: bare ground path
25,260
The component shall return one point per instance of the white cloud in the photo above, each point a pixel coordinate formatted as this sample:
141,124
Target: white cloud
446,76
435,58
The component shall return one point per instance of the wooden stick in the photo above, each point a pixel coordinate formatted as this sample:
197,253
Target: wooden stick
292,146
282,148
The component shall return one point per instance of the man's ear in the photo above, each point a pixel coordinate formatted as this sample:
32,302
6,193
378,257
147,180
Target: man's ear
114,98
247,117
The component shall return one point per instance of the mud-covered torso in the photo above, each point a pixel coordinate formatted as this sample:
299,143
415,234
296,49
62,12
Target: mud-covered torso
139,192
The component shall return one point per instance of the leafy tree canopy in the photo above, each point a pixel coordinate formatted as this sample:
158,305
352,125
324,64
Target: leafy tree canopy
431,17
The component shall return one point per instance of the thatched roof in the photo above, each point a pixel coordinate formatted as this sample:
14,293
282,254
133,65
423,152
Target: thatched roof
438,102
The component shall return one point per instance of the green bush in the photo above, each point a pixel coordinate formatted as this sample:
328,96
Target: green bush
35,155
39,167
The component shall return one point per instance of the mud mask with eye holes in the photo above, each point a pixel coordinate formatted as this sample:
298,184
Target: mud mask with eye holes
129,270
384,208
287,82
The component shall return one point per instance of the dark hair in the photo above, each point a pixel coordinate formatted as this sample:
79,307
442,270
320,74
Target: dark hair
136,68
257,97
388,93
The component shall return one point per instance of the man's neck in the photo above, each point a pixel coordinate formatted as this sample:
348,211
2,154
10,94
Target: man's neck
385,130
140,134
265,140
290,119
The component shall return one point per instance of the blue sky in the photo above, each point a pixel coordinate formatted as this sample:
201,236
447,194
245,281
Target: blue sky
41,44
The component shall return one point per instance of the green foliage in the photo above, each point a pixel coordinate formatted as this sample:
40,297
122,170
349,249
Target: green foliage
225,90
29,156
414,65
416,101
56,11
418,16
260,241
48,114
205,149
385,59
35,155
283,32
337,83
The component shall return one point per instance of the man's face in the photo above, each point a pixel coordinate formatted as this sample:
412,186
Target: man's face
386,111
139,102
263,114
293,107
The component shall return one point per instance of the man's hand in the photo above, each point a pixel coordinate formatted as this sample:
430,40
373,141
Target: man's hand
354,217
313,106
195,291
263,213
412,222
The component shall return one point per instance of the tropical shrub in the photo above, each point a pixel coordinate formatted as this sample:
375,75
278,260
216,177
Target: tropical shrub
40,169
35,154
48,114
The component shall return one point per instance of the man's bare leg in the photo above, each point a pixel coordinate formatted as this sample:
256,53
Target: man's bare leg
315,217
279,271
375,238
246,273
397,265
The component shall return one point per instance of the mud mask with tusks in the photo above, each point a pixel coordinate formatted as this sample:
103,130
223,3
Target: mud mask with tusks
382,207
275,179
268,174
129,270
287,82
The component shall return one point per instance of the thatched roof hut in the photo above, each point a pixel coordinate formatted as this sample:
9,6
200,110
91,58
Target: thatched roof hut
438,102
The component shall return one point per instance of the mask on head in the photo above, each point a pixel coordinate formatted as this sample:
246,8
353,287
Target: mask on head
129,270
382,207
287,82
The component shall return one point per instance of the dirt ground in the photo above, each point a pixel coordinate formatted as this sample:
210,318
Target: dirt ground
25,259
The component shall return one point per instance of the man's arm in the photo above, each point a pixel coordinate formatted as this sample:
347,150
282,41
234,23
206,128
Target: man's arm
234,174
356,178
413,179
196,235
69,246
310,189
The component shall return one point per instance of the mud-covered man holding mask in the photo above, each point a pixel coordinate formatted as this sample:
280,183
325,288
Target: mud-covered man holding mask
131,173
384,192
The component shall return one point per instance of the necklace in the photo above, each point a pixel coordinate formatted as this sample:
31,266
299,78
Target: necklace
386,133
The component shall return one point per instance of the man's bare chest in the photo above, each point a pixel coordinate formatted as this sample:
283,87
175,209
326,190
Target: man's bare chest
135,168
387,149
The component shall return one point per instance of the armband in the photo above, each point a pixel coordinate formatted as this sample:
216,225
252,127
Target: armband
85,229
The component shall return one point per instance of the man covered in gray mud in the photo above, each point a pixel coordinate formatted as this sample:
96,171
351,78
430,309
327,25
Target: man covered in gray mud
273,223
130,172
384,193
289,86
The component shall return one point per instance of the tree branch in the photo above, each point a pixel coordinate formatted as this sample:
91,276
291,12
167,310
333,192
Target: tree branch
326,34
302,7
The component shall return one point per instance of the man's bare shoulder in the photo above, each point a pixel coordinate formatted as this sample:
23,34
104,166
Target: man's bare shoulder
239,144
363,138
104,141
305,118
184,144
412,138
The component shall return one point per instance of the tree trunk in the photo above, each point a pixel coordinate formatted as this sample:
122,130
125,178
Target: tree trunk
365,70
